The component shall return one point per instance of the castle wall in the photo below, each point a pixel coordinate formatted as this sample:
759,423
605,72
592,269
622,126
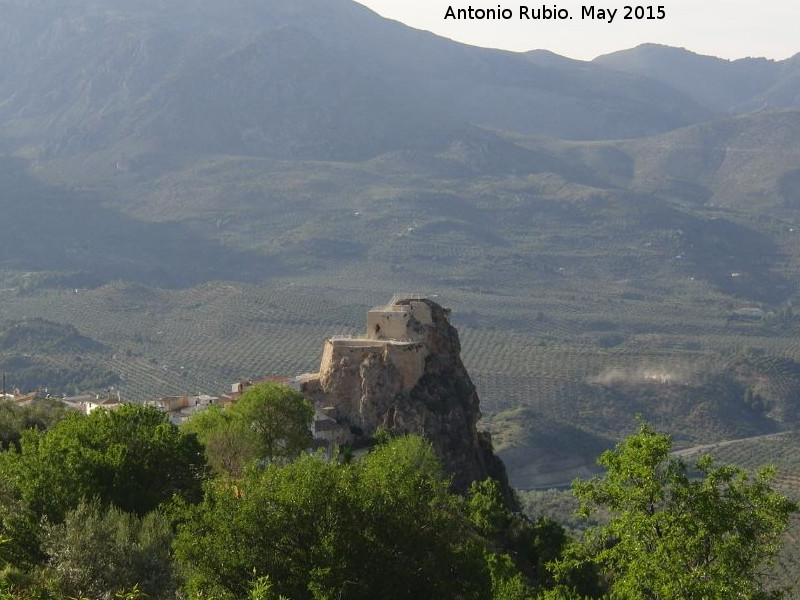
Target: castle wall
409,362
388,323
339,373
345,363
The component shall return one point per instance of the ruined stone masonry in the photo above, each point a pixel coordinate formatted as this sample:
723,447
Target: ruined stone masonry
405,374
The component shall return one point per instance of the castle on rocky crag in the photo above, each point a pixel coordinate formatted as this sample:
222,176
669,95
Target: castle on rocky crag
404,374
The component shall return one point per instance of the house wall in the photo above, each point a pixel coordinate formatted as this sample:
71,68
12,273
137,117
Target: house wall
170,403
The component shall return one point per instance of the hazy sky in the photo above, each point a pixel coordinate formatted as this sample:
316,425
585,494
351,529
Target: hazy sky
724,28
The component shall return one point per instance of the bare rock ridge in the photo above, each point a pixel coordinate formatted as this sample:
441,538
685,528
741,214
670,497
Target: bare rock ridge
405,374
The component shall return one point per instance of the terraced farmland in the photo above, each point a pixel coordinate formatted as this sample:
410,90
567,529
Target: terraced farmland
563,354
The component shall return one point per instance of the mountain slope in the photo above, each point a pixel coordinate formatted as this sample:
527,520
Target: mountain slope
319,79
750,161
722,85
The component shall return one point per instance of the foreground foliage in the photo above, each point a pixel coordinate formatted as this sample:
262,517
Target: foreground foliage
131,458
121,505
678,534
14,419
98,551
383,527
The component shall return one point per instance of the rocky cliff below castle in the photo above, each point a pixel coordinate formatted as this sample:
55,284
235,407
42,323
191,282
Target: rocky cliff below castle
405,375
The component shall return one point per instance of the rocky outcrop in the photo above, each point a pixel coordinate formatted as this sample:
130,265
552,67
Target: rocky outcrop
405,374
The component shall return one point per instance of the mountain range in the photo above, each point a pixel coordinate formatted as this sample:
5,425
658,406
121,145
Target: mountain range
320,79
622,209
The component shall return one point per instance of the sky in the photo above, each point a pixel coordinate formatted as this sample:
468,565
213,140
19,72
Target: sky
725,28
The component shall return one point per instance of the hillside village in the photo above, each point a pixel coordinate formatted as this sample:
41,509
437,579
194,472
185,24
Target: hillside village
178,407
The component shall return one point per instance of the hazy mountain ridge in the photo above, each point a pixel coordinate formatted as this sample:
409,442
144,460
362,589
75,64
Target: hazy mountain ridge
320,79
728,86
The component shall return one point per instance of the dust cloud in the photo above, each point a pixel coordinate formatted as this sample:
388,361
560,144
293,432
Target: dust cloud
644,374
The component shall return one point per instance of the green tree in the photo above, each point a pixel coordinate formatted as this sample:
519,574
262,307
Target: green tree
381,527
132,457
418,535
229,442
269,421
674,535
19,529
520,548
279,416
99,552
487,510
507,581
40,414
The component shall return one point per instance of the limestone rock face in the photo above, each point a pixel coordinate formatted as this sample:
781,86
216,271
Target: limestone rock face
406,375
